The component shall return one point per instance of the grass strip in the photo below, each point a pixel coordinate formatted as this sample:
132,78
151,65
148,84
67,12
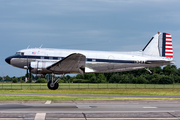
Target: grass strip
66,98
36,86
101,91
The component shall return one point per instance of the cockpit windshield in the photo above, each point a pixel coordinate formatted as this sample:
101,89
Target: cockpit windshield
19,53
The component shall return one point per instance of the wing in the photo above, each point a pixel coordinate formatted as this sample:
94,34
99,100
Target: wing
74,63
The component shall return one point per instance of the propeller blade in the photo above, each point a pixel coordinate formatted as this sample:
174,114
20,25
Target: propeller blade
30,74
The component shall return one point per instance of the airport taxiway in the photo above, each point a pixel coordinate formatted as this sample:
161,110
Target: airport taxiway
90,110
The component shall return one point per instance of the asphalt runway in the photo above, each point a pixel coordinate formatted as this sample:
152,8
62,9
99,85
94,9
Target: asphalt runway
90,110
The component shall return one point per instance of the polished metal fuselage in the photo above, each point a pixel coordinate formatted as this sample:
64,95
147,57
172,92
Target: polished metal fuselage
96,61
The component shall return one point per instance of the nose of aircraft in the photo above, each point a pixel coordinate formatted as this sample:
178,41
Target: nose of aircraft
8,60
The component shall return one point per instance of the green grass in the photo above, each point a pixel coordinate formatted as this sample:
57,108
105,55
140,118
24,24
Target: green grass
65,98
25,86
139,91
101,89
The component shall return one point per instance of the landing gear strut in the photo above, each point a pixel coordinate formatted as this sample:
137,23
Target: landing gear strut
53,85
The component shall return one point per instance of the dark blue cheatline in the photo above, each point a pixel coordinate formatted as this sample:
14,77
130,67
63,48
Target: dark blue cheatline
60,58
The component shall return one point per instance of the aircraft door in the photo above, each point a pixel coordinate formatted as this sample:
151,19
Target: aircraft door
110,64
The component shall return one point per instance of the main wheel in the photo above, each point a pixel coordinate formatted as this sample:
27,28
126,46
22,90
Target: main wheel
52,86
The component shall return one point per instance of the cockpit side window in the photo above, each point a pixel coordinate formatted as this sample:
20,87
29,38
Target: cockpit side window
19,53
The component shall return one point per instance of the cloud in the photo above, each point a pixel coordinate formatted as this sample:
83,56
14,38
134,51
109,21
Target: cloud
122,25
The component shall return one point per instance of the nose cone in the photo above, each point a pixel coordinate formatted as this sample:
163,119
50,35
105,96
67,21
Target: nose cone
8,60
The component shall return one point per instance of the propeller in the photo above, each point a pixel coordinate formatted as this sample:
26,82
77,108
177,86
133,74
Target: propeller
28,70
30,74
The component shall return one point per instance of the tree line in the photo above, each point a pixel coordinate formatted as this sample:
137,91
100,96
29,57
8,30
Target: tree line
166,75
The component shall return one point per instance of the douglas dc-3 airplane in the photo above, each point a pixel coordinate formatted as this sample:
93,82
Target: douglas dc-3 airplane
42,61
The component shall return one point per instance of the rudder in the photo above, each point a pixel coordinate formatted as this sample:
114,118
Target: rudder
159,46
165,45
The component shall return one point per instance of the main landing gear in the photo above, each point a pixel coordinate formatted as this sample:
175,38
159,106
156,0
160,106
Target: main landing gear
54,84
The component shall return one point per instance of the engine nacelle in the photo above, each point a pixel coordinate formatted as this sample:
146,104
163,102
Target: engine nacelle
40,67
41,75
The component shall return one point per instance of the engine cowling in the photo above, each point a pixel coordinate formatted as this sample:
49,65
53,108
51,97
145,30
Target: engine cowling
40,67
41,75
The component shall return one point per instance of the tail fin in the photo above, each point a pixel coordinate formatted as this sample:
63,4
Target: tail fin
159,45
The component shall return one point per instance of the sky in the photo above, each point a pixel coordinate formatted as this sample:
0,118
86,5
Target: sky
105,25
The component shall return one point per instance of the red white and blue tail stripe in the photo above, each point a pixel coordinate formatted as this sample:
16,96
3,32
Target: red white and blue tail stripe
167,46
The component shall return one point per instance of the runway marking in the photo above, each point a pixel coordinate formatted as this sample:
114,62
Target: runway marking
40,116
48,102
149,107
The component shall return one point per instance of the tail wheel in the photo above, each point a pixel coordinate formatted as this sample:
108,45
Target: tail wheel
52,86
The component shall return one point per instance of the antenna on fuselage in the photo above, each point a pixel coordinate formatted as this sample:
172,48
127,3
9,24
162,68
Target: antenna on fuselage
41,46
28,47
